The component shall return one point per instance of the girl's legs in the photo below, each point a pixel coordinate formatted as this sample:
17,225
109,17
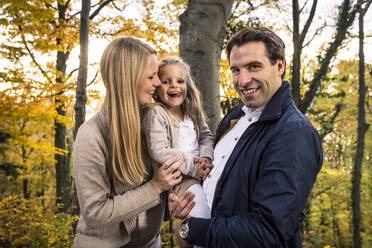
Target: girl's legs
200,209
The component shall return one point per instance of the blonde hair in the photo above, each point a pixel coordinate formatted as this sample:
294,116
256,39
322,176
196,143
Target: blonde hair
122,67
191,106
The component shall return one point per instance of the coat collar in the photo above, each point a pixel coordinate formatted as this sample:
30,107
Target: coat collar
273,109
278,102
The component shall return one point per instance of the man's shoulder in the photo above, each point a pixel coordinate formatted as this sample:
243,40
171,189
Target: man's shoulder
295,117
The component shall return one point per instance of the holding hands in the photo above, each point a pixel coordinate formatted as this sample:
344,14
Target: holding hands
204,166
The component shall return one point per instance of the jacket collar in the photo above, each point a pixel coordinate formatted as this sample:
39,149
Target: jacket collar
278,102
273,109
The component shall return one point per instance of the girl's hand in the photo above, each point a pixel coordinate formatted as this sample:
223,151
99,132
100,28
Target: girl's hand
204,166
167,175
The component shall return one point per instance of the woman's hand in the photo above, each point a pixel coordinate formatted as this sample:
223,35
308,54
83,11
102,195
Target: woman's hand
167,175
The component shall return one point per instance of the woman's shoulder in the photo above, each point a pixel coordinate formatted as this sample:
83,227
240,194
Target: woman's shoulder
92,130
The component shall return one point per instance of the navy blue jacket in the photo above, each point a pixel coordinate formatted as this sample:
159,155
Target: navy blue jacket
261,195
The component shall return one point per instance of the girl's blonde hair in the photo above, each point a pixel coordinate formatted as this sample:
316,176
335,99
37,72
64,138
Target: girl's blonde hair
191,106
122,67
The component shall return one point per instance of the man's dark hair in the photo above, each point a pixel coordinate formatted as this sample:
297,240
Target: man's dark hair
275,48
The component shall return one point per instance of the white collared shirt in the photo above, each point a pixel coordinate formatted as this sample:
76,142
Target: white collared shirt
224,148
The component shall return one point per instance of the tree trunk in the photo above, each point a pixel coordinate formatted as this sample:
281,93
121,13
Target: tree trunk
63,175
298,40
296,63
362,129
202,30
81,97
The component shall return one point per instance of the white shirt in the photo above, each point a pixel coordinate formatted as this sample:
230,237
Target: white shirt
187,139
224,148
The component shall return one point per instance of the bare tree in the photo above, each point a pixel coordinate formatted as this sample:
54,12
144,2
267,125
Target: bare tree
202,31
362,129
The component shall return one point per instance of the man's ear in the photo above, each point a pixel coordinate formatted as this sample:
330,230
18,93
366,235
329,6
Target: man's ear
281,67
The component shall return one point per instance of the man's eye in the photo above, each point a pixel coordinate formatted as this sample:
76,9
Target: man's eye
254,67
234,71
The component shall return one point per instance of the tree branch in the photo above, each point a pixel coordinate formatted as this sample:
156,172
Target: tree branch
308,22
33,57
100,7
317,32
94,79
345,20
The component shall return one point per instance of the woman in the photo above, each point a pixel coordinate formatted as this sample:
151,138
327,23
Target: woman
122,200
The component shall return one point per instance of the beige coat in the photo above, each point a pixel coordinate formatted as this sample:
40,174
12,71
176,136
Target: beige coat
161,134
132,216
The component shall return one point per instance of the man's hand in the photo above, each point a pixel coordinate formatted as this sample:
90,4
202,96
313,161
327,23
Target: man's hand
180,206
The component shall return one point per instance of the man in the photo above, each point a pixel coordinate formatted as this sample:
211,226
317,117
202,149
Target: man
265,165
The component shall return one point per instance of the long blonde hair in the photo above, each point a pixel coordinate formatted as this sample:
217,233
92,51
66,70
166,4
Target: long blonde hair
191,106
122,67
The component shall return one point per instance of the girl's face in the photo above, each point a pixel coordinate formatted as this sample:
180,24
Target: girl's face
173,89
147,86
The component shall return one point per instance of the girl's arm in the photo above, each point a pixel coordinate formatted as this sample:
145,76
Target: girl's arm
156,127
206,142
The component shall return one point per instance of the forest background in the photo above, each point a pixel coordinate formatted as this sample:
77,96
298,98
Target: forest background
50,84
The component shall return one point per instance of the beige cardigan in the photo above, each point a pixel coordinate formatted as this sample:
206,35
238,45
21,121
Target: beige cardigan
132,217
162,142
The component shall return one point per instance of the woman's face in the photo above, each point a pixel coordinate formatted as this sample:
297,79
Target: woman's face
147,86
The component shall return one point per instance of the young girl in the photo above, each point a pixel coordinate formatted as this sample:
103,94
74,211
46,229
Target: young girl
175,124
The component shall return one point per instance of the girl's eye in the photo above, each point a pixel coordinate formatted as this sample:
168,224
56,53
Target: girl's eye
180,81
165,82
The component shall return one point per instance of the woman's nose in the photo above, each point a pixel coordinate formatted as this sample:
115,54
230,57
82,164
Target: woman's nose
157,82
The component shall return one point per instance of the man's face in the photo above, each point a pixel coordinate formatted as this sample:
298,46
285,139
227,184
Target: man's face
254,78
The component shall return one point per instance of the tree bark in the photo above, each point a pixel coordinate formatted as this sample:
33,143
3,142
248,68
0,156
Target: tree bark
63,175
202,30
298,40
362,129
81,97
